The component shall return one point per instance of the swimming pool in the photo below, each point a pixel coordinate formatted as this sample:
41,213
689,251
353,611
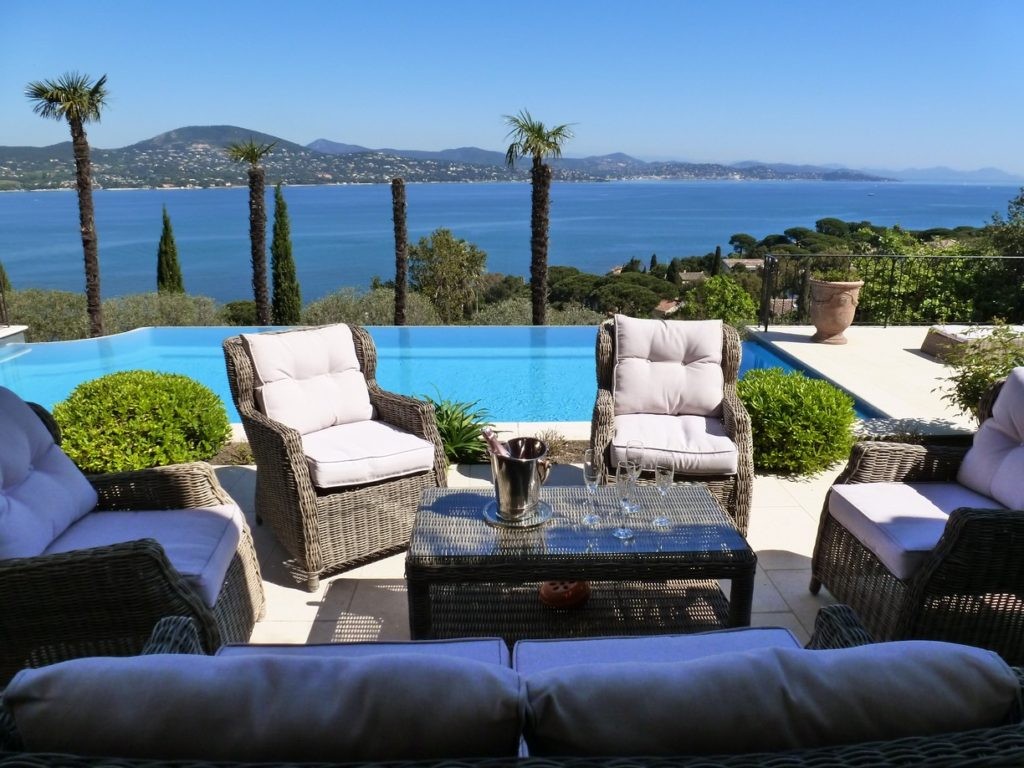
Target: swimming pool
517,373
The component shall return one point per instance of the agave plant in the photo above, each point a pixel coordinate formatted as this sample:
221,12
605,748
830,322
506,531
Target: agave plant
460,425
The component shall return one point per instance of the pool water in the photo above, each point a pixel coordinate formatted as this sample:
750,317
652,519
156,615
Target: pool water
515,373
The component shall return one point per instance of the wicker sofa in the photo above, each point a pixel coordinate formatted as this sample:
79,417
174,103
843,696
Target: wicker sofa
837,628
89,564
682,404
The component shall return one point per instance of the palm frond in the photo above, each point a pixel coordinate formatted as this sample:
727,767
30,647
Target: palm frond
249,151
71,96
531,138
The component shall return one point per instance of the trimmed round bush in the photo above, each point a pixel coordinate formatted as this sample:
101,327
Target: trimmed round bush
141,419
800,425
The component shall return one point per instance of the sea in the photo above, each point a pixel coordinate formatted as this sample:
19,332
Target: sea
343,235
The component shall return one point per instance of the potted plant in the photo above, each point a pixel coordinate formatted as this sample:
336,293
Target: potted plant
833,300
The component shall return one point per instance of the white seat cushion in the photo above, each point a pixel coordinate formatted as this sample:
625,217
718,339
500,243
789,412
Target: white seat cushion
668,367
994,466
199,543
693,445
364,452
42,492
901,522
309,379
530,656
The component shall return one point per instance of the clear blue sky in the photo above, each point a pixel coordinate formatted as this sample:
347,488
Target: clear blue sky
871,83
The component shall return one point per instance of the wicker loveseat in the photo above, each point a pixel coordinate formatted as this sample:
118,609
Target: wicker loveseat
334,478
927,541
89,564
24,716
681,404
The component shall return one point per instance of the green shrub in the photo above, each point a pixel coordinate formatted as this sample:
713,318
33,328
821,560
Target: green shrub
49,315
140,419
376,307
238,313
140,310
720,297
460,425
800,425
519,311
980,362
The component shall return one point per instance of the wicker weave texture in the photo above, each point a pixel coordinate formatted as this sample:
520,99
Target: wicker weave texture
106,600
969,590
327,531
734,492
467,577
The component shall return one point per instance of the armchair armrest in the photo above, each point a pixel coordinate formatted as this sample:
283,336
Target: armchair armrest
174,634
881,462
837,626
414,416
180,486
602,429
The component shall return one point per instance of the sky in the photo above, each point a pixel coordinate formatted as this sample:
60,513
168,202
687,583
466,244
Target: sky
861,83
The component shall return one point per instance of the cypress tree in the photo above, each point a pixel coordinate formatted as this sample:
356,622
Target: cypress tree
401,248
287,301
168,271
716,266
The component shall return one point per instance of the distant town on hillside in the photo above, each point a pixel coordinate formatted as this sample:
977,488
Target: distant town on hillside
194,156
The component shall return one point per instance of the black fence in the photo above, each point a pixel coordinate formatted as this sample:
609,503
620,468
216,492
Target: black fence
899,290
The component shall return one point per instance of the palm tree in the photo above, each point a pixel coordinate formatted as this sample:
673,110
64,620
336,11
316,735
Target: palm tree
401,248
252,153
530,138
74,98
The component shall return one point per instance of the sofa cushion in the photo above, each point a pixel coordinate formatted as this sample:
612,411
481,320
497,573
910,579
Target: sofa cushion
364,452
901,522
199,543
531,656
42,492
668,366
768,699
994,465
269,708
694,445
487,650
309,379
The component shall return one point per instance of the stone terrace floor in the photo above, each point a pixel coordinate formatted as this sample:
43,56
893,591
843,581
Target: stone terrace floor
882,366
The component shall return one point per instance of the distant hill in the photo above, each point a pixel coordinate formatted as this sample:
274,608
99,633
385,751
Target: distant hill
195,156
941,174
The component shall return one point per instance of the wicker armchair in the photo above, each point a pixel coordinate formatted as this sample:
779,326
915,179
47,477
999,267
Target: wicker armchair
331,529
732,490
107,600
968,589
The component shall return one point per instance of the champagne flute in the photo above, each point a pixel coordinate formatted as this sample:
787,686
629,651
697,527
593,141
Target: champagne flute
663,477
624,474
590,478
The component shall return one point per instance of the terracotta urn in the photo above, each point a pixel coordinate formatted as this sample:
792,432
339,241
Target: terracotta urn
832,308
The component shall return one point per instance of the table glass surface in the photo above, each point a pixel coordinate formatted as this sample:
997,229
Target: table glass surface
450,527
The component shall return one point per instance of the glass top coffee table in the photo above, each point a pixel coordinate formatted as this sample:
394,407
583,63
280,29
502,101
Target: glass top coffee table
467,577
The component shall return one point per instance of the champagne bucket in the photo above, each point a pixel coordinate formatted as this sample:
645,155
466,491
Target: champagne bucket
518,478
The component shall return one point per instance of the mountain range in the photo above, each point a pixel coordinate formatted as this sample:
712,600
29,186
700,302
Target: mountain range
194,156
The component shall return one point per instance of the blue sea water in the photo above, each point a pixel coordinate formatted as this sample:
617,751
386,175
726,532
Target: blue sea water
343,236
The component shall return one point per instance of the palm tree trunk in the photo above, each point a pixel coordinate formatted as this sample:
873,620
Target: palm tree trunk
540,177
87,224
258,239
401,248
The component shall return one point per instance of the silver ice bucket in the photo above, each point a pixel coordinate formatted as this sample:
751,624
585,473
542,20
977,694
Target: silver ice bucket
518,477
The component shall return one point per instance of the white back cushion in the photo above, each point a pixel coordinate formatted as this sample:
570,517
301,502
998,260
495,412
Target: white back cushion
994,466
270,708
42,492
309,379
668,367
768,699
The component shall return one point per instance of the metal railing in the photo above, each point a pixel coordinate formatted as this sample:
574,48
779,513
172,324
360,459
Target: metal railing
899,290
